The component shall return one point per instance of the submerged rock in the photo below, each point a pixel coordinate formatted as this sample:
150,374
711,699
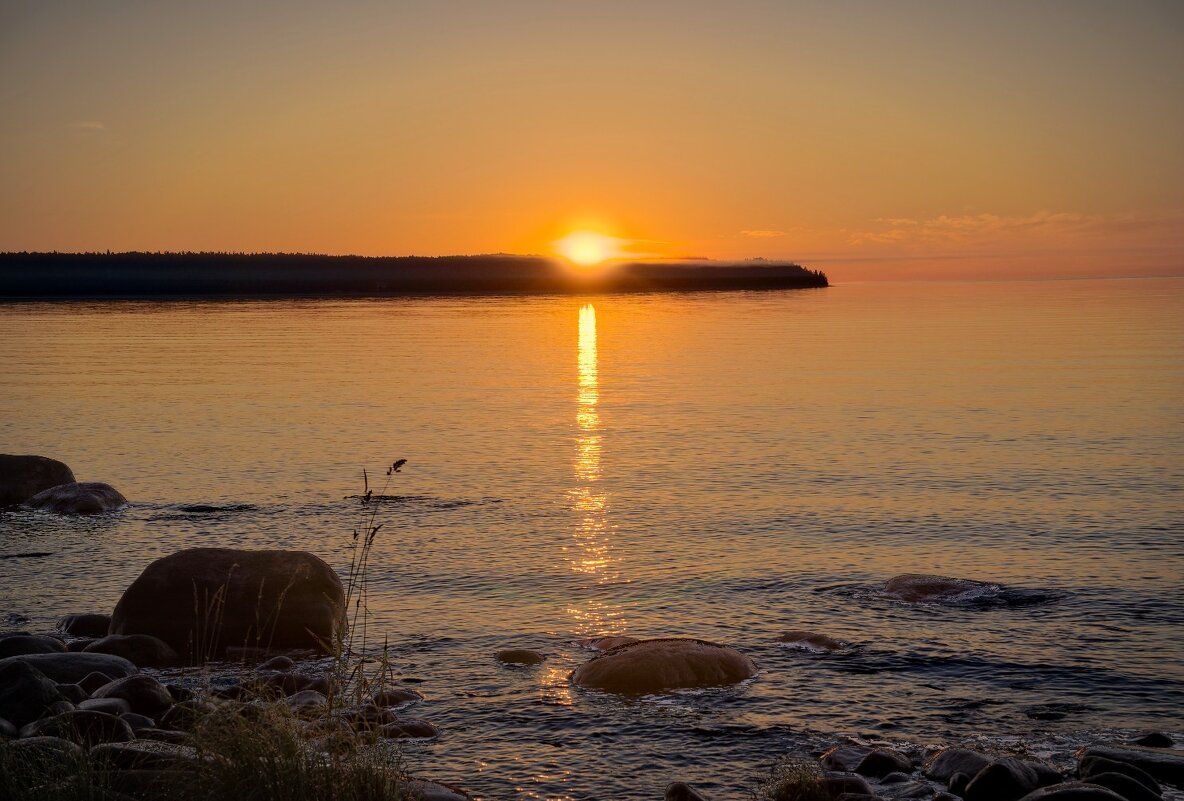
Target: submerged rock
202,600
78,498
142,650
605,643
652,666
22,477
917,587
519,656
810,641
1154,739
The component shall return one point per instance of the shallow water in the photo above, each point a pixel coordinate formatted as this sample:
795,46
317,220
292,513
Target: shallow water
728,466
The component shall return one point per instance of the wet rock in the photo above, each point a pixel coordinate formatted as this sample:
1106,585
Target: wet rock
1125,786
1155,739
26,694
280,664
71,668
651,666
844,757
408,728
949,761
93,681
920,588
957,784
73,693
22,477
81,726
85,625
144,695
1164,766
1091,765
142,650
605,643
396,696
20,644
138,722
79,498
1073,791
299,596
810,641
519,656
896,777
679,791
881,762
1006,779
839,783
112,706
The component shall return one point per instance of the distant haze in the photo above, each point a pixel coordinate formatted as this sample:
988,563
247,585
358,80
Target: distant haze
871,140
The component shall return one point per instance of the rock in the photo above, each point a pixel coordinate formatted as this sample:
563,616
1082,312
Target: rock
917,587
682,792
844,758
1092,765
93,681
144,695
651,666
949,761
908,790
144,755
881,762
82,727
280,664
424,790
47,752
185,715
22,477
408,728
1164,766
395,697
85,625
1006,779
896,777
151,784
142,650
202,600
839,783
1154,739
1125,786
1073,791
26,694
163,736
810,641
112,706
1045,774
78,498
73,693
8,731
71,668
21,644
308,702
519,656
957,784
138,722
79,645
605,643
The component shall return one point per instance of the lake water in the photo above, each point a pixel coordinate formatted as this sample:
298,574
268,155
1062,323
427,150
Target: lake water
721,465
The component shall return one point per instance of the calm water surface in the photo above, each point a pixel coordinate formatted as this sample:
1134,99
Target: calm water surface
727,466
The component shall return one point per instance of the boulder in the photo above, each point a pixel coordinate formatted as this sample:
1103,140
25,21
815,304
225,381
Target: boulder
8,731
72,668
1154,739
408,729
138,722
949,761
46,753
810,641
918,587
605,643
78,498
519,656
678,791
307,702
22,477
1006,779
396,696
1073,791
1092,765
201,600
840,783
844,757
881,762
19,644
144,755
93,681
73,693
26,694
651,666
144,695
85,625
958,783
1165,766
81,726
142,650
1125,786
280,664
112,706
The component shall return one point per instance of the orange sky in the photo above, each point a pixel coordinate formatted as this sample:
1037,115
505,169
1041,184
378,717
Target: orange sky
872,140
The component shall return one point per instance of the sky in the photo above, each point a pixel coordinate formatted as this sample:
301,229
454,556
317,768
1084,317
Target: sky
873,140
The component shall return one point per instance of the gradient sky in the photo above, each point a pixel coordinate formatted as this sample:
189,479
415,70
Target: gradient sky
873,140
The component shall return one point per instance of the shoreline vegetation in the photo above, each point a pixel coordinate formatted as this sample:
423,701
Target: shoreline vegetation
188,275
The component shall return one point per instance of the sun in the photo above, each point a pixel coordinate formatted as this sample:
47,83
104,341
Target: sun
588,248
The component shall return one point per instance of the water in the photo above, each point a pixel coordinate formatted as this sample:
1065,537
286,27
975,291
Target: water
728,466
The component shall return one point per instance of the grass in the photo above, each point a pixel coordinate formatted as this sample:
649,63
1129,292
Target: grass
252,752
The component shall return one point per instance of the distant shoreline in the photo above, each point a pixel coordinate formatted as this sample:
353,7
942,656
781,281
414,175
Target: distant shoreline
233,276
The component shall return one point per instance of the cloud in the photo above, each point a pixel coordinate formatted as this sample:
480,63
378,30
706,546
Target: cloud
1045,226
762,233
88,125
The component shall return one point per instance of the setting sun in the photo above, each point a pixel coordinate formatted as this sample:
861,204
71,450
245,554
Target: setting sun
588,248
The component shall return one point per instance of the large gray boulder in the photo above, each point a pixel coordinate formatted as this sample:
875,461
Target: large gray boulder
71,668
652,666
78,498
22,477
201,601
